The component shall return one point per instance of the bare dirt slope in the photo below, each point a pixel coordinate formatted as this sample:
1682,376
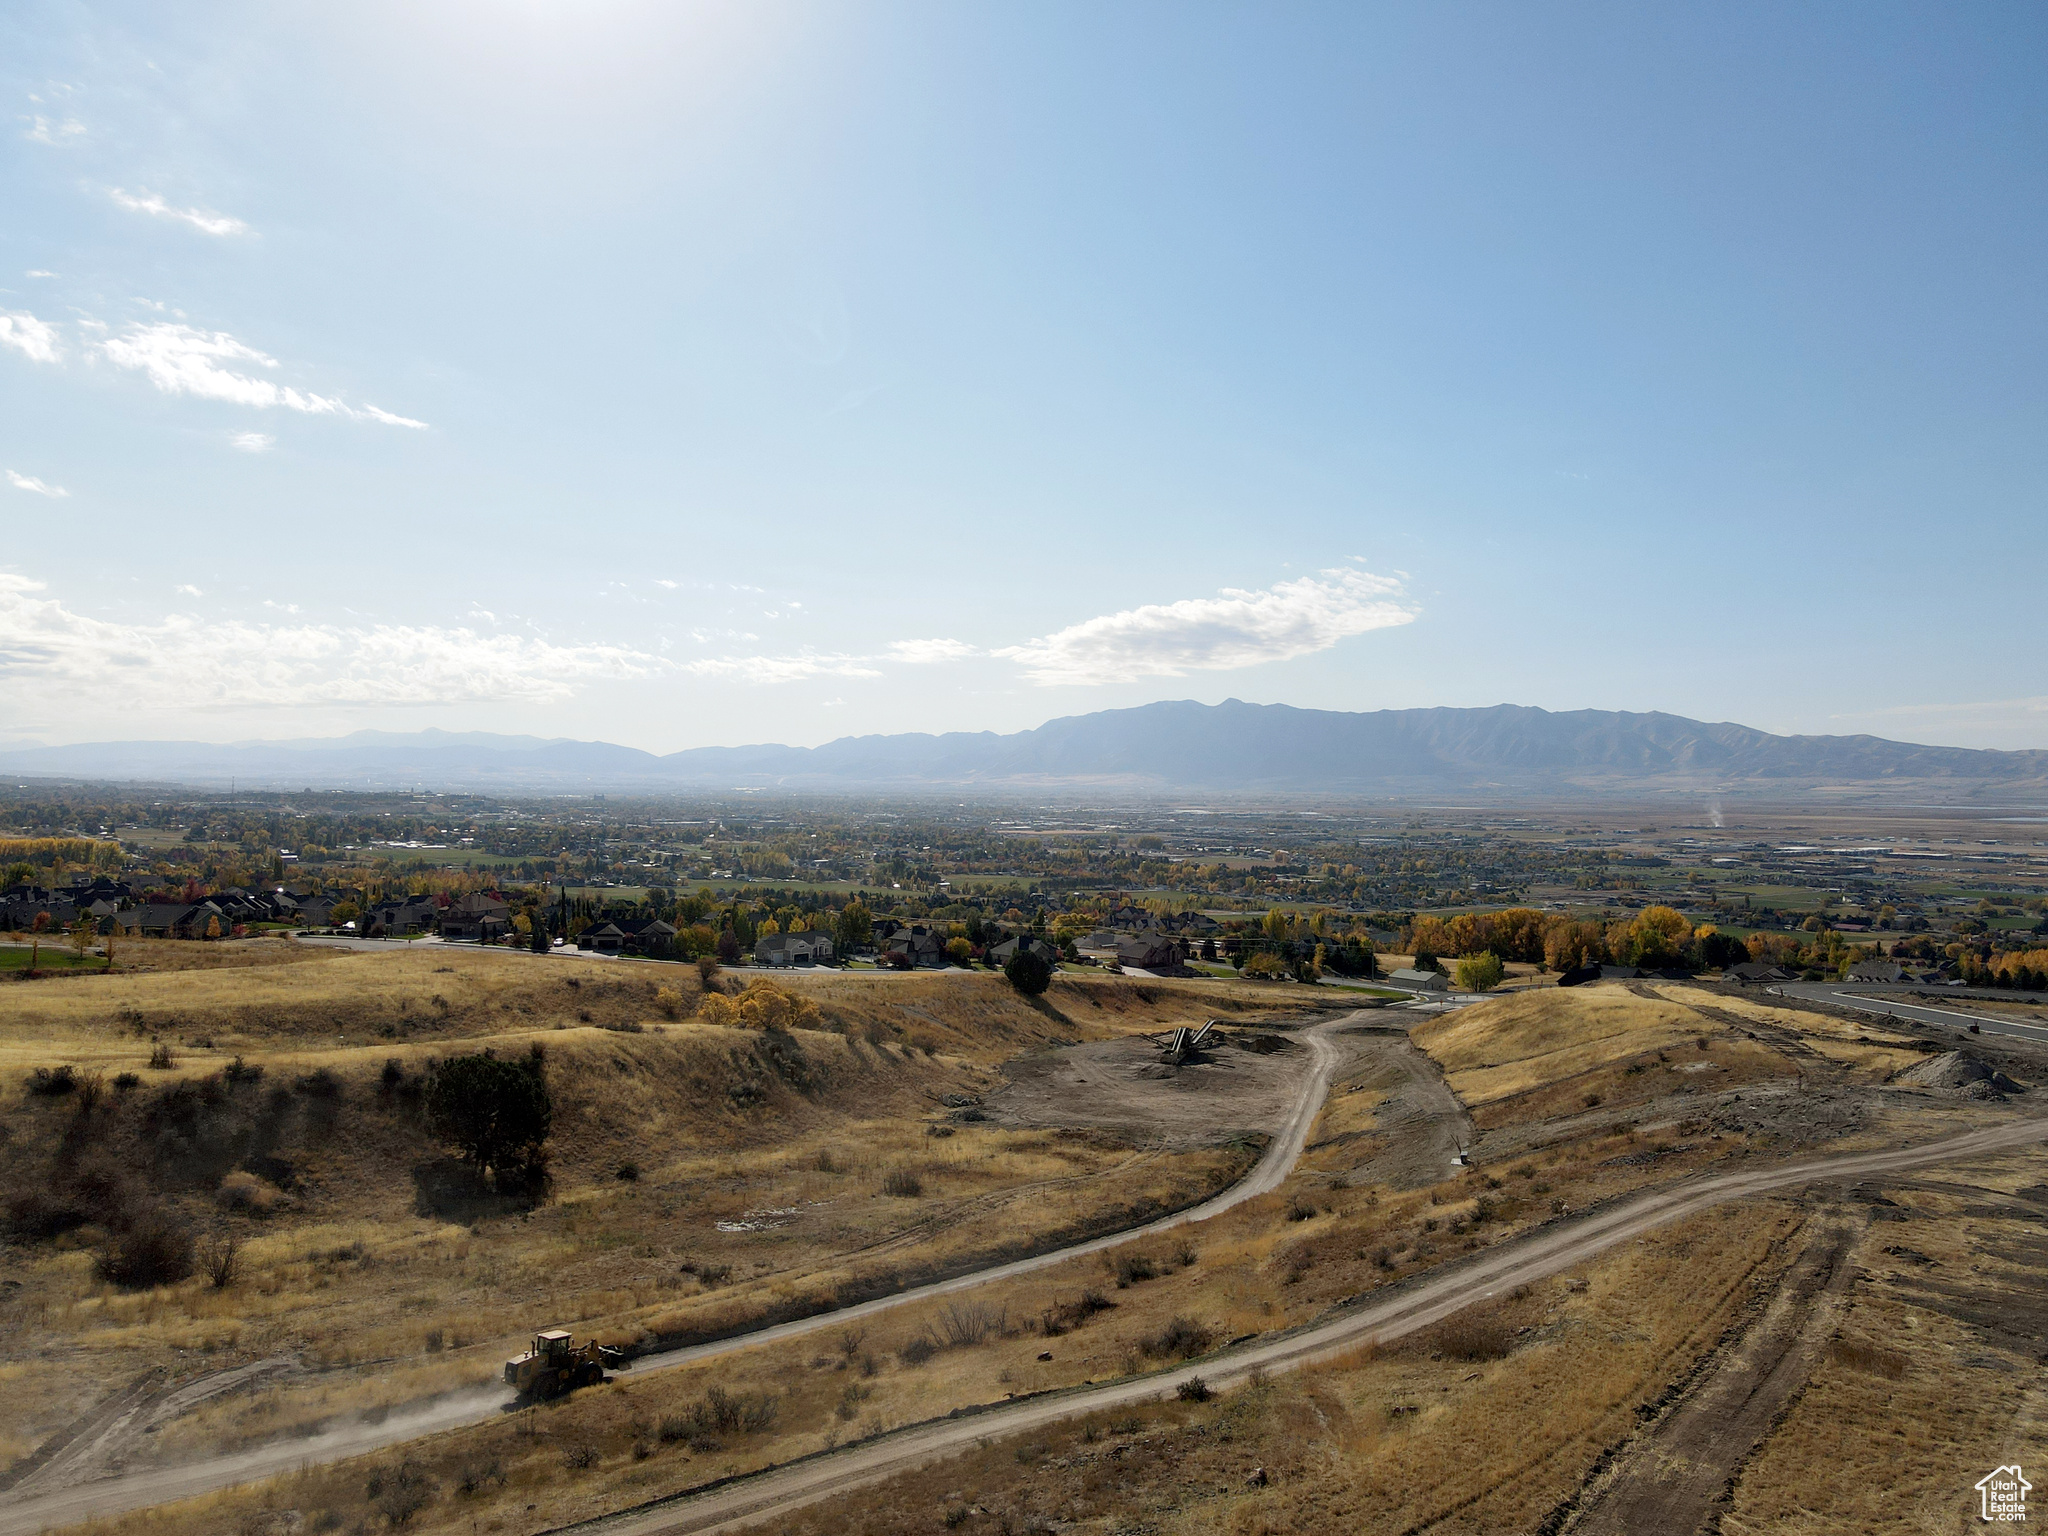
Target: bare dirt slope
1420,1122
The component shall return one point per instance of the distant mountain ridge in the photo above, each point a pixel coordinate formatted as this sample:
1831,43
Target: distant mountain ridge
1233,746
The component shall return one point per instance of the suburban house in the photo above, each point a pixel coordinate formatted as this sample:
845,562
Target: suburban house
1755,972
1875,970
176,920
1003,953
794,949
476,916
400,919
318,911
21,905
627,936
1152,952
920,945
1419,981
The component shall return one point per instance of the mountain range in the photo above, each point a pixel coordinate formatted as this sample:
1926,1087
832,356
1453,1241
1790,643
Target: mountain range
1501,751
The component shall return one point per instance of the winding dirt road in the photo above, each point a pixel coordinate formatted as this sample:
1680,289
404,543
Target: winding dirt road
1541,1253
25,1511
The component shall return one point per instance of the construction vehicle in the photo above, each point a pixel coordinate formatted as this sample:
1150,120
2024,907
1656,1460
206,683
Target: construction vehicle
1183,1044
555,1365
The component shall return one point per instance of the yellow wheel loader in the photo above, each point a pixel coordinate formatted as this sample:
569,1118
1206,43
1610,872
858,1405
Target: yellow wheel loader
555,1365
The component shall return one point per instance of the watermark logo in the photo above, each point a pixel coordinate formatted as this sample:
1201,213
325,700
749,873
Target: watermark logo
2004,1493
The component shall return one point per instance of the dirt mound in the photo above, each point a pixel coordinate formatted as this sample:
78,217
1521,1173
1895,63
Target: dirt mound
1959,1072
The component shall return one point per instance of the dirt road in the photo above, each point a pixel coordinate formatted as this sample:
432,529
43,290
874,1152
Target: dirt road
1541,1253
22,1514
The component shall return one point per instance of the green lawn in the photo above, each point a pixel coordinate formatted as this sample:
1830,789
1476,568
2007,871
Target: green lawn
54,957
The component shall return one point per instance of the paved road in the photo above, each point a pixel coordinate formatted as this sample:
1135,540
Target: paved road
1918,1012
141,1489
1541,1253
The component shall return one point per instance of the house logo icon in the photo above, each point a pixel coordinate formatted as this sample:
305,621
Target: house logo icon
2004,1493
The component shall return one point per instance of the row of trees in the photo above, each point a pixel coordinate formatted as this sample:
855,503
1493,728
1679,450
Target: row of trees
1656,937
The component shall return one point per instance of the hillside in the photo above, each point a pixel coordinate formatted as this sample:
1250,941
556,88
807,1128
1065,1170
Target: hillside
1233,746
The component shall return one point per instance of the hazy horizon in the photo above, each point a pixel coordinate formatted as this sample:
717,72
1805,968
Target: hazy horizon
679,375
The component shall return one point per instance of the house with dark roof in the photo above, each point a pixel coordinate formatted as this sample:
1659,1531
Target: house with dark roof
477,916
1001,954
922,946
794,949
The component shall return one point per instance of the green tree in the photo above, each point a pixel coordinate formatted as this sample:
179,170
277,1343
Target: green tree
855,928
1479,973
1029,972
497,1112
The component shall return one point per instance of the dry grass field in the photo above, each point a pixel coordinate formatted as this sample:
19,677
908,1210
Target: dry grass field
705,1179
1497,1419
1536,1055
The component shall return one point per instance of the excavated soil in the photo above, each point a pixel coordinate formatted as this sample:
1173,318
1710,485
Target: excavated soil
1248,1083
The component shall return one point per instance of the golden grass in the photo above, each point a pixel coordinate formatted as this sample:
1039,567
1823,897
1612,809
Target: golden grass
351,1267
1513,1044
1252,1270
1385,1440
1934,1375
1871,1051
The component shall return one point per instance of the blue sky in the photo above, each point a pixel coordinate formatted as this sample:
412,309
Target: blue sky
678,375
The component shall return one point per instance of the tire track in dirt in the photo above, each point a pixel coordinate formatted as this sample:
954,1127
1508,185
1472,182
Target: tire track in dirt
1671,1476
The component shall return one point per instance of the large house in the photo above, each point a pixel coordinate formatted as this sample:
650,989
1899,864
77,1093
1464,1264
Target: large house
1001,954
922,946
1755,972
628,936
477,916
1152,952
176,920
794,949
400,919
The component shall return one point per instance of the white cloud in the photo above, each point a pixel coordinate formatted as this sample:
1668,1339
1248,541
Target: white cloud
387,418
252,442
31,483
780,669
55,657
38,273
43,131
662,581
925,651
1203,634
34,339
182,361
198,218
188,590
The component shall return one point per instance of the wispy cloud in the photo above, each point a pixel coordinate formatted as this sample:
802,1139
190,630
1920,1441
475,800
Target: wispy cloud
38,272
186,589
49,652
205,222
31,483
922,652
33,338
1236,628
180,360
252,442
780,669
43,130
